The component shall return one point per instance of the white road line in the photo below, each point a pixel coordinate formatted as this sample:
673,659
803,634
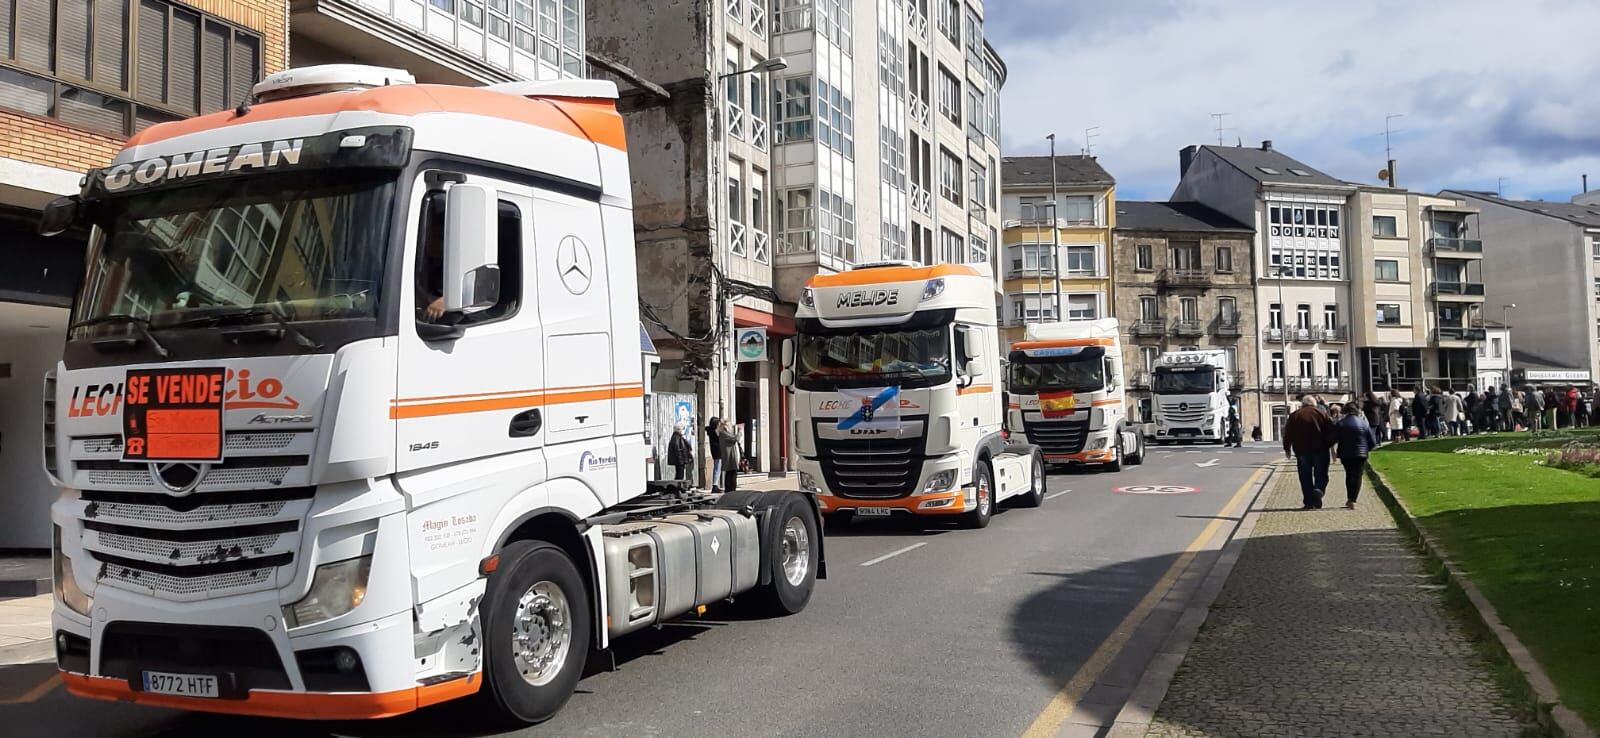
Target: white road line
1054,495
1255,452
893,554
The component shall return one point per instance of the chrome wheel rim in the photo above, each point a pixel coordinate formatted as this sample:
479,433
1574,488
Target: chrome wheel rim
796,559
1038,477
983,496
541,633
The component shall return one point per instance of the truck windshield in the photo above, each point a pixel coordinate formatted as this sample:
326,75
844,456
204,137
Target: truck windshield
918,357
1075,373
1186,382
306,248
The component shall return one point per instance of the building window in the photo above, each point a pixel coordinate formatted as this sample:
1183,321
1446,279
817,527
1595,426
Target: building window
1185,257
1388,313
1497,347
1308,362
1149,354
792,110
979,248
949,176
977,184
1594,246
994,186
1302,316
1232,353
1033,207
1083,307
1333,366
1143,257
1330,317
1189,309
1275,316
1224,259
1081,259
122,65
892,157
797,221
894,240
950,246
949,96
735,191
833,22
1303,241
1078,209
950,20
838,227
1149,308
1384,226
1033,308
1277,364
791,15
835,119
1031,257
1386,270
1227,311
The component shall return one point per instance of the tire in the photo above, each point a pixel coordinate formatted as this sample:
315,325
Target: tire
794,549
983,482
536,631
1137,457
1115,465
1035,494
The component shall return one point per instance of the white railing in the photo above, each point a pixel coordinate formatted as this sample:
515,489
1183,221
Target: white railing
759,243
758,17
921,199
758,133
918,21
919,110
734,8
736,238
735,121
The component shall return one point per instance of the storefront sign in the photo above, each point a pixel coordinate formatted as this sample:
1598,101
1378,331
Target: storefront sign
751,344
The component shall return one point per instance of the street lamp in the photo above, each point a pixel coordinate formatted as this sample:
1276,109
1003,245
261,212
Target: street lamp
1504,323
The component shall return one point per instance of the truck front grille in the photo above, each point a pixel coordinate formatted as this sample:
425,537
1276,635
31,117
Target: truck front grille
871,469
1174,414
1057,436
240,472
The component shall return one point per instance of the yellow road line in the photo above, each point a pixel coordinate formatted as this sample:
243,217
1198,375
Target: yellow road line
1066,700
39,690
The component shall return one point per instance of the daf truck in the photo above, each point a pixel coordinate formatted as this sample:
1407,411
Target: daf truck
351,415
894,400
1066,394
1191,396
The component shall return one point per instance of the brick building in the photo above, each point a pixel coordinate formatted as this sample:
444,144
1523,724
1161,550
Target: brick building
77,77
1184,281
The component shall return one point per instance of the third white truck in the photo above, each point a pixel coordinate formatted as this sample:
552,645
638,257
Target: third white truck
1191,396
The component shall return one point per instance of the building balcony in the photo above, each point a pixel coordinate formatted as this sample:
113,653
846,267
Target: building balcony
1184,277
1472,291
1226,328
1301,384
1236,379
1331,384
921,199
1189,328
1335,335
1272,384
1292,335
1139,381
737,239
1027,272
1459,334
1148,328
1462,247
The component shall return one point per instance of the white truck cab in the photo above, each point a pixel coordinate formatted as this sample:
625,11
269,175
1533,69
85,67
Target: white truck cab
1066,394
1191,396
350,418
894,391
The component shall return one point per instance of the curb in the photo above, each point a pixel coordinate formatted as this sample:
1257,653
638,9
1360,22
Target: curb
1547,707
1134,719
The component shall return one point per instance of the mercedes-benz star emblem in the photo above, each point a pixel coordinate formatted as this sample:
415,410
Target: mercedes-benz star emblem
1183,406
573,265
177,477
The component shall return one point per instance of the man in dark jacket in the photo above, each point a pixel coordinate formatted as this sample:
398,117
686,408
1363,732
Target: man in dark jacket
1307,436
680,455
1507,422
1355,439
1419,412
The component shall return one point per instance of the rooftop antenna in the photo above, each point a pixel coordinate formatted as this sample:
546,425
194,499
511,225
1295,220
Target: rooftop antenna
1388,148
1089,134
1220,129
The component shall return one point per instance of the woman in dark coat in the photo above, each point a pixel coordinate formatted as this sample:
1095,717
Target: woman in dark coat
1355,439
714,448
679,454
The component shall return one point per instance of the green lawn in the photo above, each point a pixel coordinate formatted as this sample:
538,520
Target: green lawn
1527,535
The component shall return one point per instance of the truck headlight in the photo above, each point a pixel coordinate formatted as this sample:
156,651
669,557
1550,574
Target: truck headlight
66,586
809,483
336,589
808,298
933,288
941,481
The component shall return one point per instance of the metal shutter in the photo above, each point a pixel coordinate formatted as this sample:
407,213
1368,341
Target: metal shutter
246,66
152,51
214,68
111,43
73,17
184,61
93,110
6,9
35,18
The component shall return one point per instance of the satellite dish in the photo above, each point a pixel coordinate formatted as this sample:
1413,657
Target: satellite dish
1383,174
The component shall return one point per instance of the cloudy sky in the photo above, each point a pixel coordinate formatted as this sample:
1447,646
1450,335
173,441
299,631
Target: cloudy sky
1488,88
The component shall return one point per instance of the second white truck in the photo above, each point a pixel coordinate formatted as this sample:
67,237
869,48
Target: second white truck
1191,396
1066,388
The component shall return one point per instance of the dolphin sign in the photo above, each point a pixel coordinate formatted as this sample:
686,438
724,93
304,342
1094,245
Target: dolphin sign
869,408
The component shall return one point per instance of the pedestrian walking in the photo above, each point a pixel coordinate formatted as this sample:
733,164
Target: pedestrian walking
1551,408
729,449
714,448
1435,413
1372,409
1307,436
1507,419
1572,403
1450,412
680,455
1419,412
1533,408
1397,418
1473,404
1235,428
1355,440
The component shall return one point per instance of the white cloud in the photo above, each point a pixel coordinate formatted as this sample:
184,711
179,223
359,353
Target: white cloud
1488,89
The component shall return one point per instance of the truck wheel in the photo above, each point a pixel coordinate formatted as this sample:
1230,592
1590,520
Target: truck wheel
1034,497
1115,465
536,631
1137,457
983,483
794,553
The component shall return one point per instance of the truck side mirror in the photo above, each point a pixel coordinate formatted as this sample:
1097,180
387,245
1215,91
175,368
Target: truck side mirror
787,352
471,246
972,344
60,215
786,377
974,368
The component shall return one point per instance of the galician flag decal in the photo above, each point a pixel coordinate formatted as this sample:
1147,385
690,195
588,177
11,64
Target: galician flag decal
1057,404
875,408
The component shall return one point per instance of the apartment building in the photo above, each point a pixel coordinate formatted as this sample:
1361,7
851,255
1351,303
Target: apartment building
877,138
1184,280
1302,273
1058,224
1417,290
1544,258
76,79
1494,356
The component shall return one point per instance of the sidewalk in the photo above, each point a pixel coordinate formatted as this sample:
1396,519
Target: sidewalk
1328,625
25,630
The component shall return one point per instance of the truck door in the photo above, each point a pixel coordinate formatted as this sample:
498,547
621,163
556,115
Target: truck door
480,391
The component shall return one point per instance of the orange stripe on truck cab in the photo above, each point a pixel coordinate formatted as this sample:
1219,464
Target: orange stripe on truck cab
1061,343
590,120
427,407
272,703
975,389
883,275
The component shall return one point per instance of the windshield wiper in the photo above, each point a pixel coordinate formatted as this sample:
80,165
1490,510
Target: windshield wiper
282,324
142,325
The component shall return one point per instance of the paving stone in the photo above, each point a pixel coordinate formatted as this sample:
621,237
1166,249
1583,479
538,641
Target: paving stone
1329,625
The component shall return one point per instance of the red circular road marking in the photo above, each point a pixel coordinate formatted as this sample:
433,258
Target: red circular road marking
1156,489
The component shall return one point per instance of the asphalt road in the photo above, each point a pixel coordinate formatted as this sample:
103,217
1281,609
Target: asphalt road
919,630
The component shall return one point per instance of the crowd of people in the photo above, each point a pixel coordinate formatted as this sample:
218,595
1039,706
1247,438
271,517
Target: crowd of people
1430,411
